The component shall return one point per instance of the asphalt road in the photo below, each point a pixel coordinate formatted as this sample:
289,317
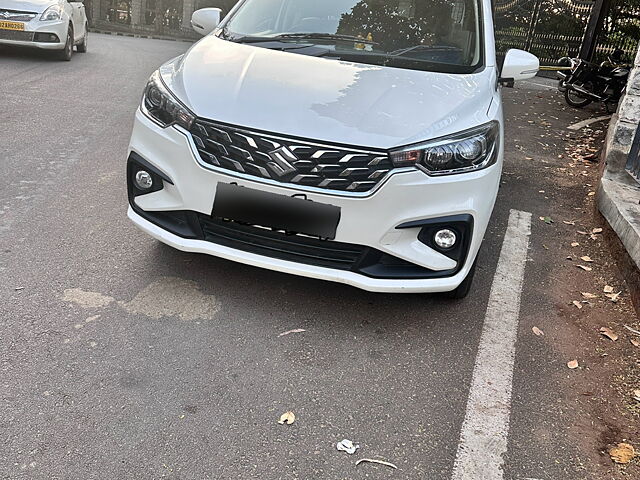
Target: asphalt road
124,359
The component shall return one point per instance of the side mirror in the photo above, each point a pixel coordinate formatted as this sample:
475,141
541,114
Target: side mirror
205,20
518,65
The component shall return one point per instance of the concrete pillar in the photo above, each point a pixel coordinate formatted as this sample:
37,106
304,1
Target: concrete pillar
137,13
96,10
624,123
188,6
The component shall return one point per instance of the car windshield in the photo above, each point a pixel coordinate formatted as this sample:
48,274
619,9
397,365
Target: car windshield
433,35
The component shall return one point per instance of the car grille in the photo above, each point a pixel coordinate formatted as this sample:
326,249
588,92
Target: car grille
16,15
289,160
295,248
16,35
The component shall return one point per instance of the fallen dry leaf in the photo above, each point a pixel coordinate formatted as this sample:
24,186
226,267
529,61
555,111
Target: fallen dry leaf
582,233
614,297
577,304
575,244
373,460
610,334
608,289
287,417
586,258
596,230
295,330
635,342
585,268
622,453
632,330
537,331
588,295
572,364
568,223
636,395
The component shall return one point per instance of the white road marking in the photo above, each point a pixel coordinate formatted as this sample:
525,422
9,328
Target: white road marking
541,85
483,439
589,121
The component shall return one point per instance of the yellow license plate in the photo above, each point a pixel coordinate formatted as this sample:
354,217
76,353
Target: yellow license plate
11,25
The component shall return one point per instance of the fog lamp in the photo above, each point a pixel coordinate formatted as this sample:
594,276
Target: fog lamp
143,180
445,238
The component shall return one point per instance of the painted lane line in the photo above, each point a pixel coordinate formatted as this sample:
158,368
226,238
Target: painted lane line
589,121
540,85
483,439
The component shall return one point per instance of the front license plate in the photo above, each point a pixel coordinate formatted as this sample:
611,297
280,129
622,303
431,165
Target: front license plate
11,25
266,209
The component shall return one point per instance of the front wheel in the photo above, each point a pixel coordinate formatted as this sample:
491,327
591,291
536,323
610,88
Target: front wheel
66,53
576,99
465,287
82,47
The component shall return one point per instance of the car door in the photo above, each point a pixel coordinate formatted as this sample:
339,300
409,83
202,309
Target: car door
78,19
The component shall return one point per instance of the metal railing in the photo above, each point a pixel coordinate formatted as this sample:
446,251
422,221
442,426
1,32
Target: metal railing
593,29
633,162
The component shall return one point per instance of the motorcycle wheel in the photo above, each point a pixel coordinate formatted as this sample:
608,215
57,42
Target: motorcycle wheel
574,99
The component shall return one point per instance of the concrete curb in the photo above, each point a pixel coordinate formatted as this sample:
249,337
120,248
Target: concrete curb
140,35
619,203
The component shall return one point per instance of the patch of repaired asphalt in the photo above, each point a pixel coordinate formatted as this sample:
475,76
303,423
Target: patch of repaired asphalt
86,299
167,297
173,297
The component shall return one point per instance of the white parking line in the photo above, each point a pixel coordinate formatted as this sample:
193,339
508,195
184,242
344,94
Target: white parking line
590,121
540,85
483,439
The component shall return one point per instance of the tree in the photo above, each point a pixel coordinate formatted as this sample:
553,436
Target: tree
391,28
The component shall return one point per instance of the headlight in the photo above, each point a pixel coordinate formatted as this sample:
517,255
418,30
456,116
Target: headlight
466,151
160,104
54,12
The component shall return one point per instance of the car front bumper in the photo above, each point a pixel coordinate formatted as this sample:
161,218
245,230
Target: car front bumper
26,38
370,221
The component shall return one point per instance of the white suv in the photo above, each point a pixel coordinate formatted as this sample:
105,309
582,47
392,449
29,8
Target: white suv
352,141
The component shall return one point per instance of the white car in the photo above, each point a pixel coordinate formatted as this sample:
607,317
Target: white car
56,25
354,141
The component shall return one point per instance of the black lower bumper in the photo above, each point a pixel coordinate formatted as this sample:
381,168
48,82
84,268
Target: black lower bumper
302,249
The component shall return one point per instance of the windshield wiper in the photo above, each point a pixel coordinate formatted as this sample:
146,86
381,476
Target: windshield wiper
301,36
392,60
327,36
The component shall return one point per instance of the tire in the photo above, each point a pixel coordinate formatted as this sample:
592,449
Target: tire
82,47
465,287
66,53
573,99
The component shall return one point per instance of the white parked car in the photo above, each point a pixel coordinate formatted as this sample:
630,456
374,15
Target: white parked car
56,25
354,141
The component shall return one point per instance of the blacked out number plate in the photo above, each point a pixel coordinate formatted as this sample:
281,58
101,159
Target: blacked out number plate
281,212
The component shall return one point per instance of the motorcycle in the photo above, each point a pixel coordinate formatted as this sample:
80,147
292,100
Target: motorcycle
565,65
588,82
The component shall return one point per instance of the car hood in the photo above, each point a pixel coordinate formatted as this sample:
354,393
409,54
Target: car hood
325,100
37,6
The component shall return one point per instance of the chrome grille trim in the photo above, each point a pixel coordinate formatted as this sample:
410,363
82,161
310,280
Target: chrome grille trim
305,164
16,15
